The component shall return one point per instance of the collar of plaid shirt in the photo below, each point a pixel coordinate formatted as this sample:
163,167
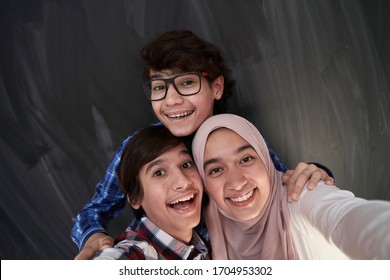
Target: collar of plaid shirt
166,246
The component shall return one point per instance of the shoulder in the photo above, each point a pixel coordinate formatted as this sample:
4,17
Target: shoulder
313,219
137,250
323,207
129,250
323,196
131,135
135,242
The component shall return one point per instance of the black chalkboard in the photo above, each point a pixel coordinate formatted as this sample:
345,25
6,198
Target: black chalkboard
314,76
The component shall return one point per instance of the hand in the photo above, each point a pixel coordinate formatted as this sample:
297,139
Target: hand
96,242
304,173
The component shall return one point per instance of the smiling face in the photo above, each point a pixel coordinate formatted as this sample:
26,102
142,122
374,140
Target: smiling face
172,192
236,177
183,115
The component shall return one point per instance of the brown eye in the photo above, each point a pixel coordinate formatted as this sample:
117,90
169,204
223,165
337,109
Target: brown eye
158,173
247,159
215,170
187,165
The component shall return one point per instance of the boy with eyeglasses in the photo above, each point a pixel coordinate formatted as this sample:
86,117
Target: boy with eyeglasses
186,81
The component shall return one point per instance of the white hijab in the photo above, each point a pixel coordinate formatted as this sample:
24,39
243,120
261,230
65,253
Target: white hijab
267,236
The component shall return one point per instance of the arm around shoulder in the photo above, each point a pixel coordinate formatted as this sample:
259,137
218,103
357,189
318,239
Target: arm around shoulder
107,202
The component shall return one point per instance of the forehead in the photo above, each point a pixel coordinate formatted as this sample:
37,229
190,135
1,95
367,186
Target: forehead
222,141
168,157
164,73
224,133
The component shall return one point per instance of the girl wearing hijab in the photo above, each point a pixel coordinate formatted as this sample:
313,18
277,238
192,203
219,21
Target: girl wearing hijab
248,216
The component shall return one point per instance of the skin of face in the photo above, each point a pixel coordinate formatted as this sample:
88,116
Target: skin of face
183,115
172,192
236,177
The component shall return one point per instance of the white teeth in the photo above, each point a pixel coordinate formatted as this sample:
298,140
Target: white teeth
181,115
182,199
243,198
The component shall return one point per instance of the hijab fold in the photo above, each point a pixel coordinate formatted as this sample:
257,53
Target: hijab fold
267,236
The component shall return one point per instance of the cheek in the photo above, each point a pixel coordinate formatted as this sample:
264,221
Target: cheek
214,191
195,178
265,179
204,103
156,107
265,187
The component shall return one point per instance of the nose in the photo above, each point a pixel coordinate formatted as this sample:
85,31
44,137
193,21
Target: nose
236,179
173,97
179,180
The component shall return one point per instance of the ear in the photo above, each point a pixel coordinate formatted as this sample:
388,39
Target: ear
217,87
135,204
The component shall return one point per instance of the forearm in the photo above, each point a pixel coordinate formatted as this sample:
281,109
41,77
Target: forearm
94,218
364,232
107,203
358,227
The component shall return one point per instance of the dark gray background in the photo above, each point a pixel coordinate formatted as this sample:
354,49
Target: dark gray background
314,77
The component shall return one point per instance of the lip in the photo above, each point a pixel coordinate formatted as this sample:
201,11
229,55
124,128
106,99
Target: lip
178,115
192,196
243,200
182,197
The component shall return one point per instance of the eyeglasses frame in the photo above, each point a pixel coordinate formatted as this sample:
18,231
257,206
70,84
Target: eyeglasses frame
171,81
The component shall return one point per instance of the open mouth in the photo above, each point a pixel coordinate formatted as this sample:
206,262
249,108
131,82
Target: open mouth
243,198
183,203
180,116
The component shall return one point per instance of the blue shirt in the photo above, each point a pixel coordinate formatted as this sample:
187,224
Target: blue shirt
109,201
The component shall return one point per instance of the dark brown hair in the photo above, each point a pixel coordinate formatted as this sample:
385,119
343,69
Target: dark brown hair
182,50
145,146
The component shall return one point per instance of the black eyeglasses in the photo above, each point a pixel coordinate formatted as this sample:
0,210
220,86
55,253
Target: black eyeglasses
185,84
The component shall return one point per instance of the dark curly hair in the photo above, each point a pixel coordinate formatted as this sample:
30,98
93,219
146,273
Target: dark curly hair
182,50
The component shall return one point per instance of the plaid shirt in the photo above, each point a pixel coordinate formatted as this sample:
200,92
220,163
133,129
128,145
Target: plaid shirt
145,241
109,201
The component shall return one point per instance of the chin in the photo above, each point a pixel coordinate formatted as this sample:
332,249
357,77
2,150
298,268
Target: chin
189,224
181,132
246,217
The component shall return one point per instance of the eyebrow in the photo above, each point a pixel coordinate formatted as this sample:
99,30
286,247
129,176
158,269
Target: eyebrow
156,77
159,161
152,164
239,150
161,75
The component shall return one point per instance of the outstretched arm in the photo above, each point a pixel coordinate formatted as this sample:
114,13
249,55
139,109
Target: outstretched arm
358,227
363,233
